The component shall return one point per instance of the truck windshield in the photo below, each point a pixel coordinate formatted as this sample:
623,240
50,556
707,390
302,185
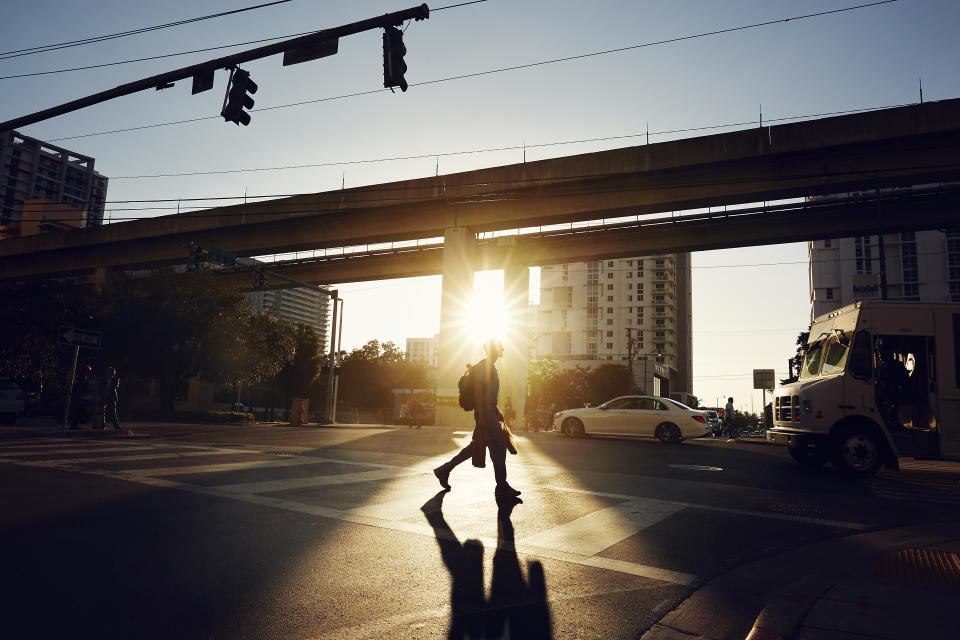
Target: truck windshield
811,361
835,359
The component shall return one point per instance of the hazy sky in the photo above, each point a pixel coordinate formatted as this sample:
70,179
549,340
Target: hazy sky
749,304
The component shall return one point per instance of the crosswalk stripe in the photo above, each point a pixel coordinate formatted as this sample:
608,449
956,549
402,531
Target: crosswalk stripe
226,466
159,456
274,486
596,531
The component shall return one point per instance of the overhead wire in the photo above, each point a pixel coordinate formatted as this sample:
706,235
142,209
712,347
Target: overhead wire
16,53
514,67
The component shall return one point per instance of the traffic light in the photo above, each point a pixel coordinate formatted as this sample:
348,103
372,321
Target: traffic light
197,255
393,65
237,98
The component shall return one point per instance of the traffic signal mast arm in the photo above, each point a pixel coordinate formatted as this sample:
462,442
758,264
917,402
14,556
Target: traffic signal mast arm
164,80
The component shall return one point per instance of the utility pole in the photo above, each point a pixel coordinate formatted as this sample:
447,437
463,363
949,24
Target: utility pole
295,50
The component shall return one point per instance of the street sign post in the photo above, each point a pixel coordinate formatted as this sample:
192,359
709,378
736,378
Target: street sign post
76,338
764,379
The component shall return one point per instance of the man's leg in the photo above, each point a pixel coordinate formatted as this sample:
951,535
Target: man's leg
497,444
443,471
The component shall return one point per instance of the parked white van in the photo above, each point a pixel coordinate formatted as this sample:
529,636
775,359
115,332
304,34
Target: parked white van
879,380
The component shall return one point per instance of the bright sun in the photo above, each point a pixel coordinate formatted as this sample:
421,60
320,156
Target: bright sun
488,318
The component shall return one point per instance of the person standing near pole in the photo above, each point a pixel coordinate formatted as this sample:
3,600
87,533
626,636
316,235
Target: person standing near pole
728,418
110,398
488,418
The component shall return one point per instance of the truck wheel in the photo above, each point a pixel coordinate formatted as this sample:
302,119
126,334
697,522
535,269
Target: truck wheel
808,457
857,451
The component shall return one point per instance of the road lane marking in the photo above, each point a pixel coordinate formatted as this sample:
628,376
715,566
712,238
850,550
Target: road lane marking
160,456
276,486
592,533
61,451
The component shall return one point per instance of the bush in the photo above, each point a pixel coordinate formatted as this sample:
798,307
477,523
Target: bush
224,417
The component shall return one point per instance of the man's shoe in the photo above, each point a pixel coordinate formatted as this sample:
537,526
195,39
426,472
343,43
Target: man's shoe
443,476
506,490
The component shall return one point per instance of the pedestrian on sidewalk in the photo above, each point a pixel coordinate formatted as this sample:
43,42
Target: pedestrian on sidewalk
728,418
405,415
487,417
110,398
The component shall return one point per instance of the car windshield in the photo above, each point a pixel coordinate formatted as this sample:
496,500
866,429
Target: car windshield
811,361
835,359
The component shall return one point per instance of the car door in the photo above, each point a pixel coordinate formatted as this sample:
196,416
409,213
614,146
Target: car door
614,417
649,413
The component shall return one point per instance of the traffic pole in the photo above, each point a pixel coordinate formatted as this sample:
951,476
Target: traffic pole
73,378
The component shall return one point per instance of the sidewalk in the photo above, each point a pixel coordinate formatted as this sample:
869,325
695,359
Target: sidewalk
893,584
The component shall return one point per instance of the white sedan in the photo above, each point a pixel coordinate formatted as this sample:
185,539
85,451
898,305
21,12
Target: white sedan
650,416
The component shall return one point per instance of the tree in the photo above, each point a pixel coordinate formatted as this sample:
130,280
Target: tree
303,370
796,362
608,381
168,326
368,374
258,350
31,317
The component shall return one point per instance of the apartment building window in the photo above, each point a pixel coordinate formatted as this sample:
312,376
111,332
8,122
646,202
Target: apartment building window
863,254
639,264
953,256
565,275
629,322
609,287
660,299
609,334
660,347
827,243
561,342
629,309
630,286
911,272
609,275
609,309
955,292
629,263
640,298
609,346
829,293
592,348
659,264
629,274
609,322
629,298
609,298
610,263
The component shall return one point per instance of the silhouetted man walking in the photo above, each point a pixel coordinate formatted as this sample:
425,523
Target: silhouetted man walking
488,418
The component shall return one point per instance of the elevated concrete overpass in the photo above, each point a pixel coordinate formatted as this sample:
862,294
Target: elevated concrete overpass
891,147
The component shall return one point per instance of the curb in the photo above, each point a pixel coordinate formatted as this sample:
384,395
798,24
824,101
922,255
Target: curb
782,587
781,618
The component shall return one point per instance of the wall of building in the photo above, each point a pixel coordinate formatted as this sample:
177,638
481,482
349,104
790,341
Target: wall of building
30,168
922,266
589,313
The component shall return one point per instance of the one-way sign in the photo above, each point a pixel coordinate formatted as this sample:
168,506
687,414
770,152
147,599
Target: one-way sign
80,337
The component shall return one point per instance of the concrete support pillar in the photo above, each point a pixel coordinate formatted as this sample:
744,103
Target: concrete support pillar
516,342
457,346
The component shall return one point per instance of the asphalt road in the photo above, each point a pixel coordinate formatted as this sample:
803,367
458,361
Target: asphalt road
342,532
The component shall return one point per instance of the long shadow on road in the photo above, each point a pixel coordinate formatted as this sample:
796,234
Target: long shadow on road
517,607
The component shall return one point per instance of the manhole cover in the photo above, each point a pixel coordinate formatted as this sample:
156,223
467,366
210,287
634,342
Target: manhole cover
695,467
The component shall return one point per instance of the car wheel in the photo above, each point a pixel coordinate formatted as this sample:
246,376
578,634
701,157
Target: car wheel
856,451
669,433
808,457
573,428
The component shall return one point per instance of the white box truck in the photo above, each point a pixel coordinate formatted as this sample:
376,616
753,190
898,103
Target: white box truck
879,380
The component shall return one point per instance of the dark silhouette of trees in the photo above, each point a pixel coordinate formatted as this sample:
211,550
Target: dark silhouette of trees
577,386
368,374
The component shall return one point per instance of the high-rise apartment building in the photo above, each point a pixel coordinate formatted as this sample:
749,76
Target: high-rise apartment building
31,169
426,350
308,306
630,311
918,266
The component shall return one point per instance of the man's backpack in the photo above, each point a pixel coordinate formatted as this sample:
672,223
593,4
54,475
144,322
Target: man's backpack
467,387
